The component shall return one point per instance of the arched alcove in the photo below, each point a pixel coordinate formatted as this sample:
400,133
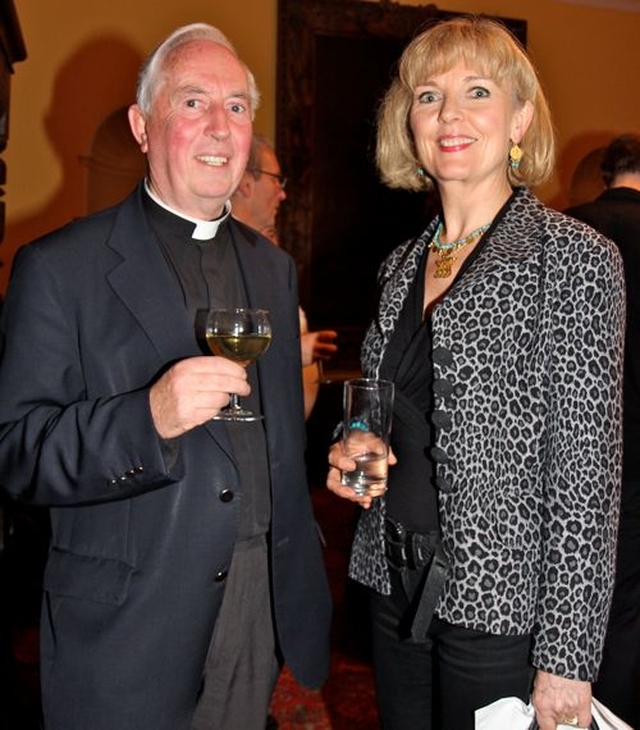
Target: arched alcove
115,164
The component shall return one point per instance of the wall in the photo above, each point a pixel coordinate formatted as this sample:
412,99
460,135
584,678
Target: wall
83,57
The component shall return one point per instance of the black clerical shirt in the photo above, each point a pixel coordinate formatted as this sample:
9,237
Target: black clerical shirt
209,275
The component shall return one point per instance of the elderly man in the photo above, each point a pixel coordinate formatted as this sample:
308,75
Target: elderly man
185,564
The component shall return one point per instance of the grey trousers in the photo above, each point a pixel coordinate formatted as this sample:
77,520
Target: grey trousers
241,669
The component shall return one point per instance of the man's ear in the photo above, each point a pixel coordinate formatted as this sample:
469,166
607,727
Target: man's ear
246,186
138,124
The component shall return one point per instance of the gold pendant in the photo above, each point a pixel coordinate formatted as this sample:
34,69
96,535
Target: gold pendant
443,267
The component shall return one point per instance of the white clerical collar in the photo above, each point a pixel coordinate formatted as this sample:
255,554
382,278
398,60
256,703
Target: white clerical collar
204,230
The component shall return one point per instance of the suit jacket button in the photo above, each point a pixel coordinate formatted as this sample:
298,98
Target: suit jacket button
442,387
441,419
226,495
439,455
444,485
442,356
220,576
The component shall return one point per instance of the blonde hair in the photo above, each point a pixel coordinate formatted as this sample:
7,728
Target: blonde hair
482,44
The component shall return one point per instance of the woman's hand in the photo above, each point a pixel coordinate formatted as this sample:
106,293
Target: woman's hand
339,462
559,700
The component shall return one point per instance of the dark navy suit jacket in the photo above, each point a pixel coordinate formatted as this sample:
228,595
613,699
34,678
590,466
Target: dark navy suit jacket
143,531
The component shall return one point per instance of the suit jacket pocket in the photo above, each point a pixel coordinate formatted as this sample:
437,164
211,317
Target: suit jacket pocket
91,578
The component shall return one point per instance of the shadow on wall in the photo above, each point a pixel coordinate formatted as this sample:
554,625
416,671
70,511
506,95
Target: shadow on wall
579,169
99,77
115,165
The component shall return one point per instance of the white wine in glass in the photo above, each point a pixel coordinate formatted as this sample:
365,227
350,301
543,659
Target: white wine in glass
241,335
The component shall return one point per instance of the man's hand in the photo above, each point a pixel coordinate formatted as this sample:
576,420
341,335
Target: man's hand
318,345
193,391
558,700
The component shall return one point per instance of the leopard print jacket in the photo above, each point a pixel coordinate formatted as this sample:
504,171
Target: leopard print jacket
527,353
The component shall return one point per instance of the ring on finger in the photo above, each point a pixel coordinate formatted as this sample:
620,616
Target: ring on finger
572,721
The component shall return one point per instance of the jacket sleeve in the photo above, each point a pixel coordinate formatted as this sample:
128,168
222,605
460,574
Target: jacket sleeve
583,453
58,445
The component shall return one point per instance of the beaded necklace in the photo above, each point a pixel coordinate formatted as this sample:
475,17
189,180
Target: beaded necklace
446,250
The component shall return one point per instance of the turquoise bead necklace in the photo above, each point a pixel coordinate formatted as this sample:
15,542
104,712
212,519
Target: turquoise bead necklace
445,251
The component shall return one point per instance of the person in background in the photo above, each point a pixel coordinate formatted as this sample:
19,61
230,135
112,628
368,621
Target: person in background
256,202
261,189
616,214
491,556
183,550
586,181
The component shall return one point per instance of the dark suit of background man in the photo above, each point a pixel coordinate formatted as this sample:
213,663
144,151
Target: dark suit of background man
616,213
184,556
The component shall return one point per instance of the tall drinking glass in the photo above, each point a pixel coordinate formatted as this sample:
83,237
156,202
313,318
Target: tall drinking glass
368,413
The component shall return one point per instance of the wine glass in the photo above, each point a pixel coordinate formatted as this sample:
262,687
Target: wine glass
323,379
241,335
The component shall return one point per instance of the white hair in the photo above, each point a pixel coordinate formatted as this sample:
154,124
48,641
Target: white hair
151,71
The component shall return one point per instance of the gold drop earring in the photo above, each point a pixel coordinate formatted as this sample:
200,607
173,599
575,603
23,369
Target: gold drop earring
515,155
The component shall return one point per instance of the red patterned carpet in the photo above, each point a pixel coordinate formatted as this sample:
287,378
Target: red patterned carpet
345,702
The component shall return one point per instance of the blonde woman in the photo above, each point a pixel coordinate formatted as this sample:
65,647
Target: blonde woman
502,328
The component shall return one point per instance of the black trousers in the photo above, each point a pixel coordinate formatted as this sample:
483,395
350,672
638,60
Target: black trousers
438,684
618,685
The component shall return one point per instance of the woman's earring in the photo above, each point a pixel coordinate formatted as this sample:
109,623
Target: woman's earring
420,172
515,155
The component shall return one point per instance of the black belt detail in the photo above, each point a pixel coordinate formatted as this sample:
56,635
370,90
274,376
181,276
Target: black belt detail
414,550
408,549
431,591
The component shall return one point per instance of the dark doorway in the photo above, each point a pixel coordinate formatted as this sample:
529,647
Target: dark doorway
335,60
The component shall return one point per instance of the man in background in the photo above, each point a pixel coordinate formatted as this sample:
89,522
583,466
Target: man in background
184,564
255,203
616,213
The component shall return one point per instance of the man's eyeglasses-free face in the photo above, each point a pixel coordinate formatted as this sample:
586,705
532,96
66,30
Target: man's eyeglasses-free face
281,179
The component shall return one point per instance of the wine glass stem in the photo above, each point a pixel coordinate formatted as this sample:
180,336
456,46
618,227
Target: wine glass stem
322,378
234,402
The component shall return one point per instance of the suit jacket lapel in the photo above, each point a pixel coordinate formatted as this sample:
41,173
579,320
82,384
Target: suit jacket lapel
261,278
258,272
146,286
144,282
514,238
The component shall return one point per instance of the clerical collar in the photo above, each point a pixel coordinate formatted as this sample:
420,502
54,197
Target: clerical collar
204,230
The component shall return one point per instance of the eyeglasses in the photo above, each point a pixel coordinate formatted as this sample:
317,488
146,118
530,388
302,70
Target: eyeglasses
281,179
